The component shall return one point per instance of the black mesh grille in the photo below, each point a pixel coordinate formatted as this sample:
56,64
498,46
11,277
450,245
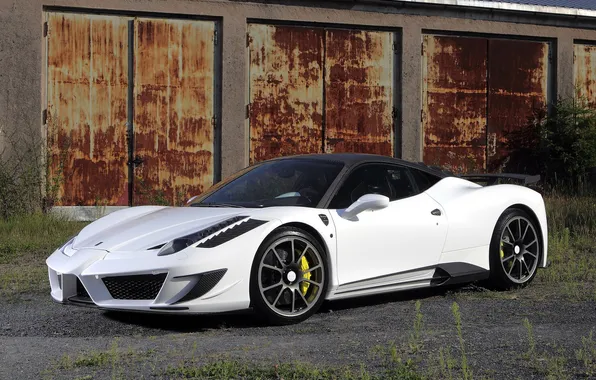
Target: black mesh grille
81,291
207,281
140,287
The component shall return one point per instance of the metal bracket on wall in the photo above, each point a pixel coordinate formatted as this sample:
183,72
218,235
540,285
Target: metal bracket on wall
248,110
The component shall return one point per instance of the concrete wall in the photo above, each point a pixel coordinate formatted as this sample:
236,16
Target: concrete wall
22,53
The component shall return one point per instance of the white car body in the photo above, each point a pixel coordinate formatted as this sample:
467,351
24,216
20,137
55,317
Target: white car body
402,246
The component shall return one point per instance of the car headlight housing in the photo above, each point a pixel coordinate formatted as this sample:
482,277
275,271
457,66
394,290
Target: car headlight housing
183,242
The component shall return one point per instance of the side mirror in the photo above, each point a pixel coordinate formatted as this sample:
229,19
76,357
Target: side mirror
365,202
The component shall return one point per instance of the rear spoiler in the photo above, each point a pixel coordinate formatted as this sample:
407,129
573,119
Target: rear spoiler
493,179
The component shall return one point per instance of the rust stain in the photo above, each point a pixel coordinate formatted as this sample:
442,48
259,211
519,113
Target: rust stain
455,102
87,88
518,84
286,91
359,92
585,72
174,105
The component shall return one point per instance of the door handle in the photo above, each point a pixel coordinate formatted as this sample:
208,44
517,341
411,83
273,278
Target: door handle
436,212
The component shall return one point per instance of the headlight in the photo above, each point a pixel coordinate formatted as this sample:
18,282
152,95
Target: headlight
69,242
185,241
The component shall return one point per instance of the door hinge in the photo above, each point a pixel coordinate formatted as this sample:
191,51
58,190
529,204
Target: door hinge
492,144
44,117
46,29
394,113
247,39
248,110
422,115
215,37
214,122
395,46
550,55
422,48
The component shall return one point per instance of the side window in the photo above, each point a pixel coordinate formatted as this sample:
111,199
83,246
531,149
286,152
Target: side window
389,180
424,180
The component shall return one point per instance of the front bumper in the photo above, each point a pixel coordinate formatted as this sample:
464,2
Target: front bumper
141,281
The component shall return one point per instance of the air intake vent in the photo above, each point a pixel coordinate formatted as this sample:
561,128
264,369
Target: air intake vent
206,282
139,287
81,291
82,296
231,233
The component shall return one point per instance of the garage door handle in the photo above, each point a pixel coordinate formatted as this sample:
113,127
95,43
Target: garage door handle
136,162
436,212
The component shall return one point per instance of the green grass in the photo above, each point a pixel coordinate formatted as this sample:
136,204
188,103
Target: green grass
25,242
572,247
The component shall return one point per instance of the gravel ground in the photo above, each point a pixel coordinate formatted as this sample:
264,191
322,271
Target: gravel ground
36,333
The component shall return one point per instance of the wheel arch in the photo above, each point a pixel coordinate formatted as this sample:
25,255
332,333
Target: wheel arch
313,232
535,220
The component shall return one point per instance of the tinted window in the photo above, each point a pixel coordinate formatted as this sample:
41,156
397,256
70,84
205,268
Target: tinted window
424,180
391,181
277,183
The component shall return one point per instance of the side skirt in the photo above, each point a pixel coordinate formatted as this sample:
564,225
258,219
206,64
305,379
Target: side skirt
434,276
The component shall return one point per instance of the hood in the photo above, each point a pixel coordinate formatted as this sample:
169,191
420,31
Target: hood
140,231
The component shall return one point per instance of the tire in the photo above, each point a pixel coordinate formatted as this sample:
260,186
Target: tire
515,251
285,289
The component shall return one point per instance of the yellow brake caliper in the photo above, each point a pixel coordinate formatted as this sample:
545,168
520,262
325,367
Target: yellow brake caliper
304,267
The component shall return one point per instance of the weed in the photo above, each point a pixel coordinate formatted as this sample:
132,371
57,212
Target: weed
447,363
587,355
466,371
556,368
531,353
415,337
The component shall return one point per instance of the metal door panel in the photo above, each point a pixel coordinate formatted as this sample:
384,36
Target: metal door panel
87,85
455,102
518,89
286,90
174,109
359,67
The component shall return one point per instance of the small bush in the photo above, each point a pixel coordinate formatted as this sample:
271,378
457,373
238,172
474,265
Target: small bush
560,145
21,173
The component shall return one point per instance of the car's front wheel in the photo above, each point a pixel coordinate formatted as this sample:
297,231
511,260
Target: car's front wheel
289,276
514,250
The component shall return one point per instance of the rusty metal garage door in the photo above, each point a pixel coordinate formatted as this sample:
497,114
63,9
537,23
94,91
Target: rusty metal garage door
320,89
359,91
475,92
87,85
286,91
455,102
88,89
585,72
174,109
518,87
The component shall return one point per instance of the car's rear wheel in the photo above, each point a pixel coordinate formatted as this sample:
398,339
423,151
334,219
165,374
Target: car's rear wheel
289,276
514,250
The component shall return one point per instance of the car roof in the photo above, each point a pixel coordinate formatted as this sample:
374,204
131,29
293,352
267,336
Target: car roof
354,159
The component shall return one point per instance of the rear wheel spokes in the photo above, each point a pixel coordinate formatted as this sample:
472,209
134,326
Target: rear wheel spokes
518,258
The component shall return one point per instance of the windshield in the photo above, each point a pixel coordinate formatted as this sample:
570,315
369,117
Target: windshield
286,182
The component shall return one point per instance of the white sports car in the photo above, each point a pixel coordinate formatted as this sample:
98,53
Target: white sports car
284,235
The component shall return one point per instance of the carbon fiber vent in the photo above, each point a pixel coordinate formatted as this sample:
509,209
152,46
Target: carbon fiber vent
232,233
206,282
81,291
139,287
